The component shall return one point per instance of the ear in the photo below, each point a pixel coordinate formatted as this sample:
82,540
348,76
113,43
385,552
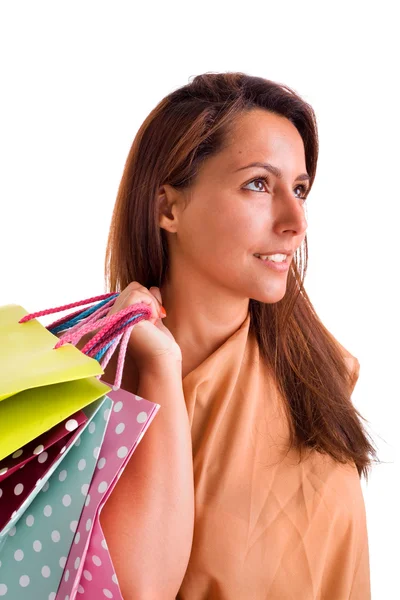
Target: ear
169,203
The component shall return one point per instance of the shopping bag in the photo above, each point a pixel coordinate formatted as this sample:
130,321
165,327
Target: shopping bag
40,455
89,571
36,548
39,386
28,359
32,543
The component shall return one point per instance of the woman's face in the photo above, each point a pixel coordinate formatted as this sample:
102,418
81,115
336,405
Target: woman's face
235,212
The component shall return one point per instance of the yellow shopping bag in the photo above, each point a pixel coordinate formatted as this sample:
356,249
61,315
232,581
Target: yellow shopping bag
39,386
28,358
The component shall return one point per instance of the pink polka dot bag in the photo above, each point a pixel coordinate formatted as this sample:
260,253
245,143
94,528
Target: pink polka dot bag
67,439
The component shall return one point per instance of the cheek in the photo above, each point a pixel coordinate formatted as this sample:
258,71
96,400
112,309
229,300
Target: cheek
228,226
240,231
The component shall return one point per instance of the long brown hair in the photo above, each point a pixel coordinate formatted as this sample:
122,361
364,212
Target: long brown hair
313,371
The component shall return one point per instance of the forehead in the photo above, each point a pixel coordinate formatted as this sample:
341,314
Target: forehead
260,135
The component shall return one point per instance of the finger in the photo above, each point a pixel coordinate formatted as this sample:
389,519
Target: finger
156,293
134,293
143,295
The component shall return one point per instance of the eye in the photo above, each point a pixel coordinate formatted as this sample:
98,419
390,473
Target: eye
305,191
265,181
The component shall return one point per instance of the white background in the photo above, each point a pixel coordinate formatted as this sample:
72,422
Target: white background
78,79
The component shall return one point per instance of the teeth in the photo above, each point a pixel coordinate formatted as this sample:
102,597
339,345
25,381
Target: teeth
273,257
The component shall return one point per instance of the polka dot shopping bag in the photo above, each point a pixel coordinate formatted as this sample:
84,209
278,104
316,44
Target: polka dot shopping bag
89,572
60,462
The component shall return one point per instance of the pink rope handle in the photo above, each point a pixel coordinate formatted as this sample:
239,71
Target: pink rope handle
108,326
115,332
110,352
64,319
50,311
95,316
108,323
74,314
104,340
121,357
117,328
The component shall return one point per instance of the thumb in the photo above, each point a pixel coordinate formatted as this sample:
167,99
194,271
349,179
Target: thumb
156,293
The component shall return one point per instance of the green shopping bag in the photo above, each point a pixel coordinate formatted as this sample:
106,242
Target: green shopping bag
39,386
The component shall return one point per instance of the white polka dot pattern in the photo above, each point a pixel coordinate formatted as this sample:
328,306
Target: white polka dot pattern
19,488
44,504
71,424
98,579
63,506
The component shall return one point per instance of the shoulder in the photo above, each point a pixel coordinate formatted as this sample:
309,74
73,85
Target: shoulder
351,361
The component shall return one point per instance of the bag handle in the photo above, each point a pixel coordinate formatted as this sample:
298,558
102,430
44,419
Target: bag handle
113,329
49,311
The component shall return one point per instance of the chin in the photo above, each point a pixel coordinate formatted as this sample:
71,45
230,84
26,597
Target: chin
270,296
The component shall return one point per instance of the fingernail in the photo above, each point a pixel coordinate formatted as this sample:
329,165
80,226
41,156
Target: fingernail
163,312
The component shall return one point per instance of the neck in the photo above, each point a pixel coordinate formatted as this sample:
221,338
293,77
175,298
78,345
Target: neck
200,318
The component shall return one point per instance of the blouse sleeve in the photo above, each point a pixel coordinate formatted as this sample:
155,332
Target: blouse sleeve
354,369
352,362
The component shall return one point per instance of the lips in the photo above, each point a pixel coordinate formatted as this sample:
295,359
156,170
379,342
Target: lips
267,257
289,252
276,262
275,266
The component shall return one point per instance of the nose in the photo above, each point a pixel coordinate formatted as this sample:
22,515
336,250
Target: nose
290,213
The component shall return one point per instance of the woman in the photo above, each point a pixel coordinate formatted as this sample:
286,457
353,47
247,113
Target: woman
247,483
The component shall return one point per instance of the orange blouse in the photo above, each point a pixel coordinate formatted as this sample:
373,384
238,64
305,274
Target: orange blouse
266,525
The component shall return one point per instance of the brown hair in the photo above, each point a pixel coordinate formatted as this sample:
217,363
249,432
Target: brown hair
313,371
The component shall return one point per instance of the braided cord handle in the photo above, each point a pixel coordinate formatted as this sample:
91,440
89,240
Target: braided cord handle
113,329
49,311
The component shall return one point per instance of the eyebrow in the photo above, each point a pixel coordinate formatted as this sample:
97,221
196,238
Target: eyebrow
274,170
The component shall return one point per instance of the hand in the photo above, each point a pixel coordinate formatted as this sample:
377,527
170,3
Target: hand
151,344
